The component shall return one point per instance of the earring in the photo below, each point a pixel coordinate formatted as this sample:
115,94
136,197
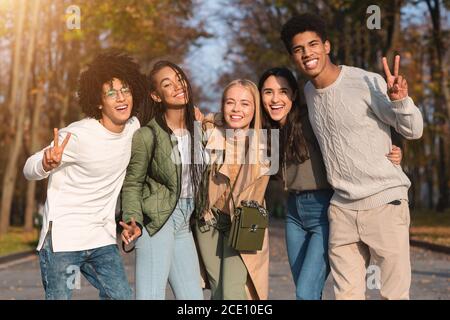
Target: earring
100,107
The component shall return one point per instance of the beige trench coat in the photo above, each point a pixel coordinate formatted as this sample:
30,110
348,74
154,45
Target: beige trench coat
250,185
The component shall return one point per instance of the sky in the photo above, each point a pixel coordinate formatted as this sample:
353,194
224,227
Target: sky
206,63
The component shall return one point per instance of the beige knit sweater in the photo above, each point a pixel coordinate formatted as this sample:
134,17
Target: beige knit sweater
351,119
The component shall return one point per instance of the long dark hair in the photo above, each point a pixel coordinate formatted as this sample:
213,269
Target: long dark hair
292,141
155,108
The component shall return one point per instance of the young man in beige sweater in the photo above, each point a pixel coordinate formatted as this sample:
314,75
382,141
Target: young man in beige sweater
351,111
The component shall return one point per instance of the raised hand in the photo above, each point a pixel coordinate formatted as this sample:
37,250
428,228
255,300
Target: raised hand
396,84
395,156
130,232
53,155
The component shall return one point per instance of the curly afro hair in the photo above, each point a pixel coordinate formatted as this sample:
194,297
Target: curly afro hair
103,69
303,23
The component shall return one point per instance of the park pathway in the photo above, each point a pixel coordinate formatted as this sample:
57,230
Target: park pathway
430,278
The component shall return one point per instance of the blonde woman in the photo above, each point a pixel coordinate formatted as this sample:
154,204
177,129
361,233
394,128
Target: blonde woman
235,172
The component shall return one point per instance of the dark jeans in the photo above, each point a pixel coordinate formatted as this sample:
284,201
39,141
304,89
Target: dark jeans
102,267
307,241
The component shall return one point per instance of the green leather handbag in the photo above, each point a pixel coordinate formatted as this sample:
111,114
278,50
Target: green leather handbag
248,226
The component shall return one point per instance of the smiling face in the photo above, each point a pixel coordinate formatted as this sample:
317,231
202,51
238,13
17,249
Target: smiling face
277,98
171,88
238,107
117,103
310,53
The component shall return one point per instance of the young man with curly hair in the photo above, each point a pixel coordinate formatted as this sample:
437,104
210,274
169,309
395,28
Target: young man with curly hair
85,174
351,111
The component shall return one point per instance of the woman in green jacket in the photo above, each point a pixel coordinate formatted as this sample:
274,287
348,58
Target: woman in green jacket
159,189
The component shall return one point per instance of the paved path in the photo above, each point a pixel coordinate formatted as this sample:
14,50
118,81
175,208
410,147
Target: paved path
431,275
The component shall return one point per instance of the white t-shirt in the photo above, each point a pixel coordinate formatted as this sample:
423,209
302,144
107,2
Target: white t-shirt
184,147
82,192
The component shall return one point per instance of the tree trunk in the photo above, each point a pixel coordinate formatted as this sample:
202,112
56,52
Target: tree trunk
442,103
430,185
416,201
64,109
9,180
15,79
393,29
442,203
31,187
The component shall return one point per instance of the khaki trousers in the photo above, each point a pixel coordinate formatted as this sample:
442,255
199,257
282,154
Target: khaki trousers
380,234
227,273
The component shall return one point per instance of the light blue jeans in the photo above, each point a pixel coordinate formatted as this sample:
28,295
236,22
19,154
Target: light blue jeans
307,230
103,267
169,255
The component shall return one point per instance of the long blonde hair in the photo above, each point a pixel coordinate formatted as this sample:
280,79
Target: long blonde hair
256,123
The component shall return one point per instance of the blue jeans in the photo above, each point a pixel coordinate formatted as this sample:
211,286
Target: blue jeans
169,255
102,267
307,241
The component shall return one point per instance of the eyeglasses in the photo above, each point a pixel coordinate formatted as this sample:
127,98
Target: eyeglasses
114,94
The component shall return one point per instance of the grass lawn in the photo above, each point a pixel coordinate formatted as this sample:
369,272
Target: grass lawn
431,226
17,240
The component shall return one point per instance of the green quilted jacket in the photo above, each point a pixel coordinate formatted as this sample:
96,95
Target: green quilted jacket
152,183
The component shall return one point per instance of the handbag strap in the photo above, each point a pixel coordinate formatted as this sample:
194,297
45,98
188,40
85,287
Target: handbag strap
234,187
125,250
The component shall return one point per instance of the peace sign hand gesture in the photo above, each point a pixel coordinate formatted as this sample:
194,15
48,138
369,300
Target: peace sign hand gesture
53,155
130,232
396,84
